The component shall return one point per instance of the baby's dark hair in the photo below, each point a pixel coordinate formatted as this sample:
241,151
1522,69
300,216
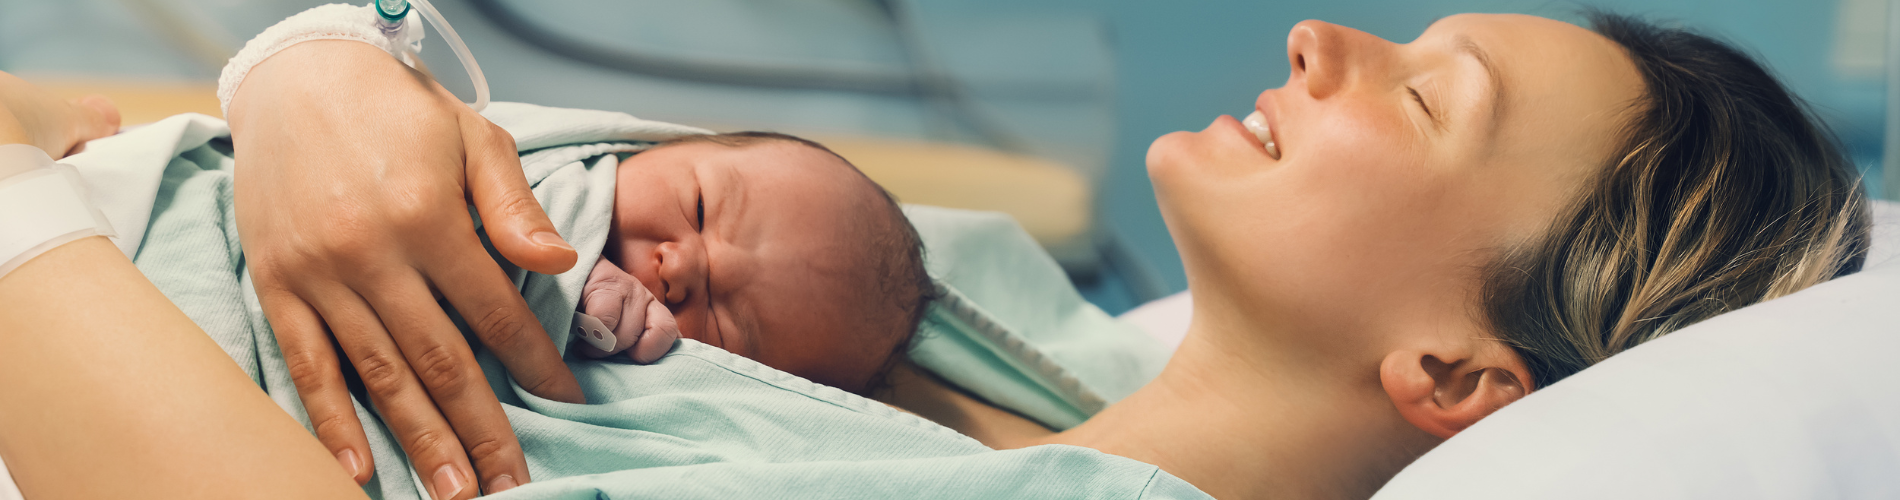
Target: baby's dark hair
899,286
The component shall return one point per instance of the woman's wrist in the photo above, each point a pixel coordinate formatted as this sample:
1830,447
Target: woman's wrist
42,205
317,71
326,22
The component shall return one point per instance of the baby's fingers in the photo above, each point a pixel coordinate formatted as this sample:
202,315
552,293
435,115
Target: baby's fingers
662,330
618,325
626,304
618,301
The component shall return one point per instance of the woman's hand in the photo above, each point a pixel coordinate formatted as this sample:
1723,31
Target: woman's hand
29,115
353,183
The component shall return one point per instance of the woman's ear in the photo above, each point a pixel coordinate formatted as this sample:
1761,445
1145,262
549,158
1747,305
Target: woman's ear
1443,393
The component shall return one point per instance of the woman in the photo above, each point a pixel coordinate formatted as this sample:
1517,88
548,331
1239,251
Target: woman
1480,213
1408,238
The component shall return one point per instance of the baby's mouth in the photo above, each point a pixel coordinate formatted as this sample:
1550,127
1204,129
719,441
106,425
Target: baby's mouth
1257,123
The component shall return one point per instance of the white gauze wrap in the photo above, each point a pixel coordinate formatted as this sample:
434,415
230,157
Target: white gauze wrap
324,22
42,205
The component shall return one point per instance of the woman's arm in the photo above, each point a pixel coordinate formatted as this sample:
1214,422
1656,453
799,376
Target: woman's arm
107,390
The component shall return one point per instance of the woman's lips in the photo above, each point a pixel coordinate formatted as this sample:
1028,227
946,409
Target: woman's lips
1257,124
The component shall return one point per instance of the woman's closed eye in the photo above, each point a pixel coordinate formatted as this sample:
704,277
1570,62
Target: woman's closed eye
1421,103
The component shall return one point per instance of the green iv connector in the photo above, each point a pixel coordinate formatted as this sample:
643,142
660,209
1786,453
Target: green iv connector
392,10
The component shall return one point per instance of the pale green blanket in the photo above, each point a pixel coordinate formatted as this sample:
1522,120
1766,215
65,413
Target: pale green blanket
701,423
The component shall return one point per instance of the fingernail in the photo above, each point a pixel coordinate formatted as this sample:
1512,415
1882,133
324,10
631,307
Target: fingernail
448,483
501,483
348,459
548,238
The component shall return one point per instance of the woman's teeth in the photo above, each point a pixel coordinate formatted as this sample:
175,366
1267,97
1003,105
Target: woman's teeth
1257,123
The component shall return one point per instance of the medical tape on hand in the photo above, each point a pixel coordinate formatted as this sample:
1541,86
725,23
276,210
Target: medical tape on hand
42,205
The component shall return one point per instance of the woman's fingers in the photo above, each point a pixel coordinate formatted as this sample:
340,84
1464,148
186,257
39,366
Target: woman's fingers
446,366
398,396
94,117
31,115
311,360
493,307
515,222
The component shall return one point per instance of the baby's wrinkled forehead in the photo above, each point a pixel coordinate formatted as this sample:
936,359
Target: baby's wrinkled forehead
801,157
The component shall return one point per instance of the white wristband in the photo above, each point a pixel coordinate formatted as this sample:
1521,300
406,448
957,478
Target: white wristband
325,22
42,205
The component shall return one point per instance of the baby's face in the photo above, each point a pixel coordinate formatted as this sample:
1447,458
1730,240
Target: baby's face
749,248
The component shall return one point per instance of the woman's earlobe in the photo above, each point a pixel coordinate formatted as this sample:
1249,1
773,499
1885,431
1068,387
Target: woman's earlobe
1444,397
1496,387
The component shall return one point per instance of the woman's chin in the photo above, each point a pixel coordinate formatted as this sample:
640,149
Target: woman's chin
1167,154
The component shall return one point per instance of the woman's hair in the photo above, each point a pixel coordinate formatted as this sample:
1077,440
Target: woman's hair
1726,191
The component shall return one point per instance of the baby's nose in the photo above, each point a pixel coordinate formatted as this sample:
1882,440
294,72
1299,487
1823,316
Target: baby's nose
681,269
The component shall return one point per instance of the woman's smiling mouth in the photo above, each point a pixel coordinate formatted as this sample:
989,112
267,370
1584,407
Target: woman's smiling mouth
1257,124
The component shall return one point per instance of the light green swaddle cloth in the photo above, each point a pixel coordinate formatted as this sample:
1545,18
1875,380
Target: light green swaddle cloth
701,422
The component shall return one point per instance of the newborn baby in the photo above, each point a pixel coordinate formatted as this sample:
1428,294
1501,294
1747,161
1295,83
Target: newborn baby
766,245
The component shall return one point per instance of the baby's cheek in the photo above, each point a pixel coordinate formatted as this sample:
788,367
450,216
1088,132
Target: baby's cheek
694,324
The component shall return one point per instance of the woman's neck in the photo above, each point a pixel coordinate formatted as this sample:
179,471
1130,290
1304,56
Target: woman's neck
1240,422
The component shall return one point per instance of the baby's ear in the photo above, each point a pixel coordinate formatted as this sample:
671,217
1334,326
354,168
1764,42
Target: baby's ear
1442,393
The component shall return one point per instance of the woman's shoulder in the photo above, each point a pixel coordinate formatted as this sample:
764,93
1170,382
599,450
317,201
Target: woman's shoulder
1008,325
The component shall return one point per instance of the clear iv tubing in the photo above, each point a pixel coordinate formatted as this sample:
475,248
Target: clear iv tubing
395,11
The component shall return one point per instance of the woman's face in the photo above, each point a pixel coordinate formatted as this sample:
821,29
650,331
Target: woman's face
1400,171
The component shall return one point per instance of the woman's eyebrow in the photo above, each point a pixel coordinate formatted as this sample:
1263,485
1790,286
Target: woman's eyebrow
1467,46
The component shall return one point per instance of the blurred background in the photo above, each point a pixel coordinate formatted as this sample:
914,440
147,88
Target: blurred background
1042,109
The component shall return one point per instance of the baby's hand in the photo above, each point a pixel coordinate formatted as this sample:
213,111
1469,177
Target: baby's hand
633,319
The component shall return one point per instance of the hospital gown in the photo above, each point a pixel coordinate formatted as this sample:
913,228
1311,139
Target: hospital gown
701,422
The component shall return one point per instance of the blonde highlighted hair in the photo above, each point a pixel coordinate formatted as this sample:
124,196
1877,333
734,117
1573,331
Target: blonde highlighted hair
1728,192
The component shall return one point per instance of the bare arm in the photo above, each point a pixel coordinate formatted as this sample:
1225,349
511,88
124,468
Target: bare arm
109,391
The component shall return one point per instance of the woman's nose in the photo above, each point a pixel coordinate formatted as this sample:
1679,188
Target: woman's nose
1325,55
681,270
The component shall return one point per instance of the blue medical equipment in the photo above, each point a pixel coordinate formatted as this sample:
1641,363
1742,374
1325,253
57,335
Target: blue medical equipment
392,14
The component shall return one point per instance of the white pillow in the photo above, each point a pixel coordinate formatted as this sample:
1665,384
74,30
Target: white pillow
1886,237
1797,397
